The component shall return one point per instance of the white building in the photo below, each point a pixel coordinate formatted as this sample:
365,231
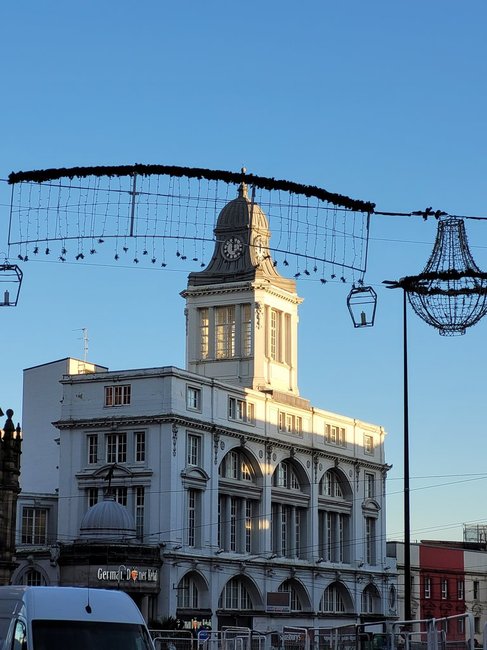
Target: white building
247,489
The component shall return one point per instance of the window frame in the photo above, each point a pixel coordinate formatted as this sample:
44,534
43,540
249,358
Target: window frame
371,541
246,330
117,395
444,588
290,423
225,327
204,324
369,485
194,444
335,435
193,398
140,448
368,444
92,448
119,453
460,589
34,529
240,410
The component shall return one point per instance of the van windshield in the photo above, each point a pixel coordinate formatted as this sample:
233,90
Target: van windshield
87,635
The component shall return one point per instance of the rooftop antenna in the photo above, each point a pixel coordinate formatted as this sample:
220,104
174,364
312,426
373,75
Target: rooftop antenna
85,344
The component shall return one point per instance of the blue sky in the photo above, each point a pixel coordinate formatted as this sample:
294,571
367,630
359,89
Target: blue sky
382,101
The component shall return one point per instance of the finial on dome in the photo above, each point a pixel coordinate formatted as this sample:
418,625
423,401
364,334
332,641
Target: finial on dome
242,190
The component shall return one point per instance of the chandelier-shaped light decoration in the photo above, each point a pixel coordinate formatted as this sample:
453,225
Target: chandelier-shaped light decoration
451,292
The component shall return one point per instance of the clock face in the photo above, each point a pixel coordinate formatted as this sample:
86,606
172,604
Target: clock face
232,248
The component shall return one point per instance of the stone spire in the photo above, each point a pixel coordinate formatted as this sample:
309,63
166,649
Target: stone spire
10,450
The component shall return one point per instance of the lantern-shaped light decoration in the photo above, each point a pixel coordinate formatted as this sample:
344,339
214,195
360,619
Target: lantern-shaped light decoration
362,303
10,282
451,292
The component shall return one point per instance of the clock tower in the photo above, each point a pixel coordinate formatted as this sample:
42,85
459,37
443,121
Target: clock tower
242,316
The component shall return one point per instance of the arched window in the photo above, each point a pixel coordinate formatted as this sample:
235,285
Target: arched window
236,466
370,600
33,578
238,503
334,518
294,599
235,596
289,512
330,485
187,594
332,600
285,477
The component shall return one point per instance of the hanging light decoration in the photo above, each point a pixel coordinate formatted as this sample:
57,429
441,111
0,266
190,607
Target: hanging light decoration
362,303
10,282
451,292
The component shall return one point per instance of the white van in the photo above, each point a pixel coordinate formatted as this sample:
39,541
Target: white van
70,618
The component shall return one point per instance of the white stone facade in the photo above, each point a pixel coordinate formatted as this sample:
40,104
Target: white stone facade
238,508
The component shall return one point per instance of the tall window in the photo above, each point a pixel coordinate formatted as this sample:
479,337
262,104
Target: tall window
427,587
238,503
204,333
275,343
444,589
334,518
288,514
187,594
370,540
193,526
139,444
334,536
92,449
246,330
476,590
116,448
225,332
460,590
369,486
249,525
118,395
139,503
193,450
121,494
34,526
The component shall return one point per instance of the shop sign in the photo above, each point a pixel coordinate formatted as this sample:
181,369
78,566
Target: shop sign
278,602
125,574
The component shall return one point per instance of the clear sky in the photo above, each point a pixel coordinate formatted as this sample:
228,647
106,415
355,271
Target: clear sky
381,101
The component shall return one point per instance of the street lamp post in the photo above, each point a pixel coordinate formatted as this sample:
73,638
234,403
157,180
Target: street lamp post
407,517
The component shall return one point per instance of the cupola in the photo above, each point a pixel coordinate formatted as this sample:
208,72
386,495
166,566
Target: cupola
107,521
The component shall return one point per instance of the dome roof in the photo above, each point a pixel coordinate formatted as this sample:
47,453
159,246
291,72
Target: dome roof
108,521
236,213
